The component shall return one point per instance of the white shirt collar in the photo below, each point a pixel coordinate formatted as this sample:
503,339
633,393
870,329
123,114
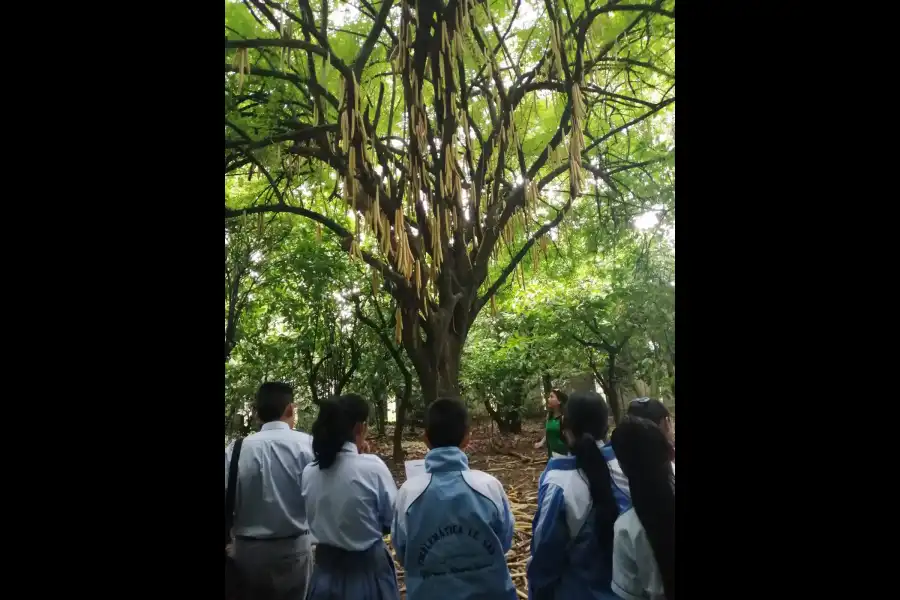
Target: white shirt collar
350,447
274,425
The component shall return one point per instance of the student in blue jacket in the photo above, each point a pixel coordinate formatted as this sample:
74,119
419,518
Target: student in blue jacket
579,498
452,526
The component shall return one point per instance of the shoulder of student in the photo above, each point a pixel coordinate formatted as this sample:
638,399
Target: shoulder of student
304,438
411,490
374,460
375,465
301,435
487,485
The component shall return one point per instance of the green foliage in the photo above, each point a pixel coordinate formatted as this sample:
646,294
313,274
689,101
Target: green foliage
554,261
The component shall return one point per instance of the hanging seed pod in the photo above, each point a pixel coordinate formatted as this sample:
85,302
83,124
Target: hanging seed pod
418,280
345,132
493,306
398,326
319,233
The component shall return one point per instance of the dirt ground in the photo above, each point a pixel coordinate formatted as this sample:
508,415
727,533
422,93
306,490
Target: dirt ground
510,458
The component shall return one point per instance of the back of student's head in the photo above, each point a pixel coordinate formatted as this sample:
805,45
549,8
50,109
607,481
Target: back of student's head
587,420
644,454
338,422
649,408
446,423
272,400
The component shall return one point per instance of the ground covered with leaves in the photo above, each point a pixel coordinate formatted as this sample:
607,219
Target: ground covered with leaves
510,458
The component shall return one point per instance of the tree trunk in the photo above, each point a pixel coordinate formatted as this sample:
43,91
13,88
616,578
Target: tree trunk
512,422
507,418
400,422
379,399
612,389
548,384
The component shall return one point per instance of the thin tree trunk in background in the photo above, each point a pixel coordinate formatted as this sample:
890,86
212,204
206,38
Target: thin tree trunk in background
400,421
612,391
379,398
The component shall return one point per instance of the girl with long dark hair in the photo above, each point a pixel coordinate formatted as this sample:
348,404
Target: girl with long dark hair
579,499
350,505
656,411
553,438
644,542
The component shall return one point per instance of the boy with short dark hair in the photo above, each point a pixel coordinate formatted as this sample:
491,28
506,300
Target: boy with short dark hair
452,525
272,542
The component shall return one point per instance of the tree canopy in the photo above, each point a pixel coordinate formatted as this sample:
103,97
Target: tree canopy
394,168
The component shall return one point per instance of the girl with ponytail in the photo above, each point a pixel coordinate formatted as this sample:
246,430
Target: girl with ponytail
644,542
349,500
579,499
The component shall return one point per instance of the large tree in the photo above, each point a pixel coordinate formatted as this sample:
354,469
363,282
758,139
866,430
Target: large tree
434,139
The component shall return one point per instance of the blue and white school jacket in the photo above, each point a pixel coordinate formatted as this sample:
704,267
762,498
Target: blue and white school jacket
566,561
452,528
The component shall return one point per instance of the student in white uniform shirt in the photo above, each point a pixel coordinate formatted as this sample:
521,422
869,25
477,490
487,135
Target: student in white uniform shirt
656,411
350,502
644,538
271,536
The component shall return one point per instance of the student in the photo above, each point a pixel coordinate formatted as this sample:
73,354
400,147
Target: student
579,498
350,503
644,546
654,410
556,445
271,542
453,526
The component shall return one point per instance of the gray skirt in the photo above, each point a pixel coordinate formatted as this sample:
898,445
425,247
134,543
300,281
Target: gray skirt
343,575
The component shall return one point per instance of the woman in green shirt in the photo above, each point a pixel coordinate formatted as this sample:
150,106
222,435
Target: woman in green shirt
553,438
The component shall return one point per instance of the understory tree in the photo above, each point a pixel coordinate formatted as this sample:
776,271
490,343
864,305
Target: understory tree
440,142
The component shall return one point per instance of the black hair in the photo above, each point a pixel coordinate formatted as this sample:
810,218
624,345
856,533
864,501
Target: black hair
334,426
644,454
587,418
649,408
446,423
562,397
272,399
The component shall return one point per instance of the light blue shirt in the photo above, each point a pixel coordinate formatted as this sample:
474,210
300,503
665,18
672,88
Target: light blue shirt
351,503
452,529
635,575
566,561
268,501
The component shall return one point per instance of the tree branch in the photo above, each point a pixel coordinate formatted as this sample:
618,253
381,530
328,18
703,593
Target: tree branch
514,262
346,236
359,62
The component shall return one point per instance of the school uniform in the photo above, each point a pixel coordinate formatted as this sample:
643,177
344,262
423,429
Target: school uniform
350,506
566,561
635,573
271,536
452,529
556,443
